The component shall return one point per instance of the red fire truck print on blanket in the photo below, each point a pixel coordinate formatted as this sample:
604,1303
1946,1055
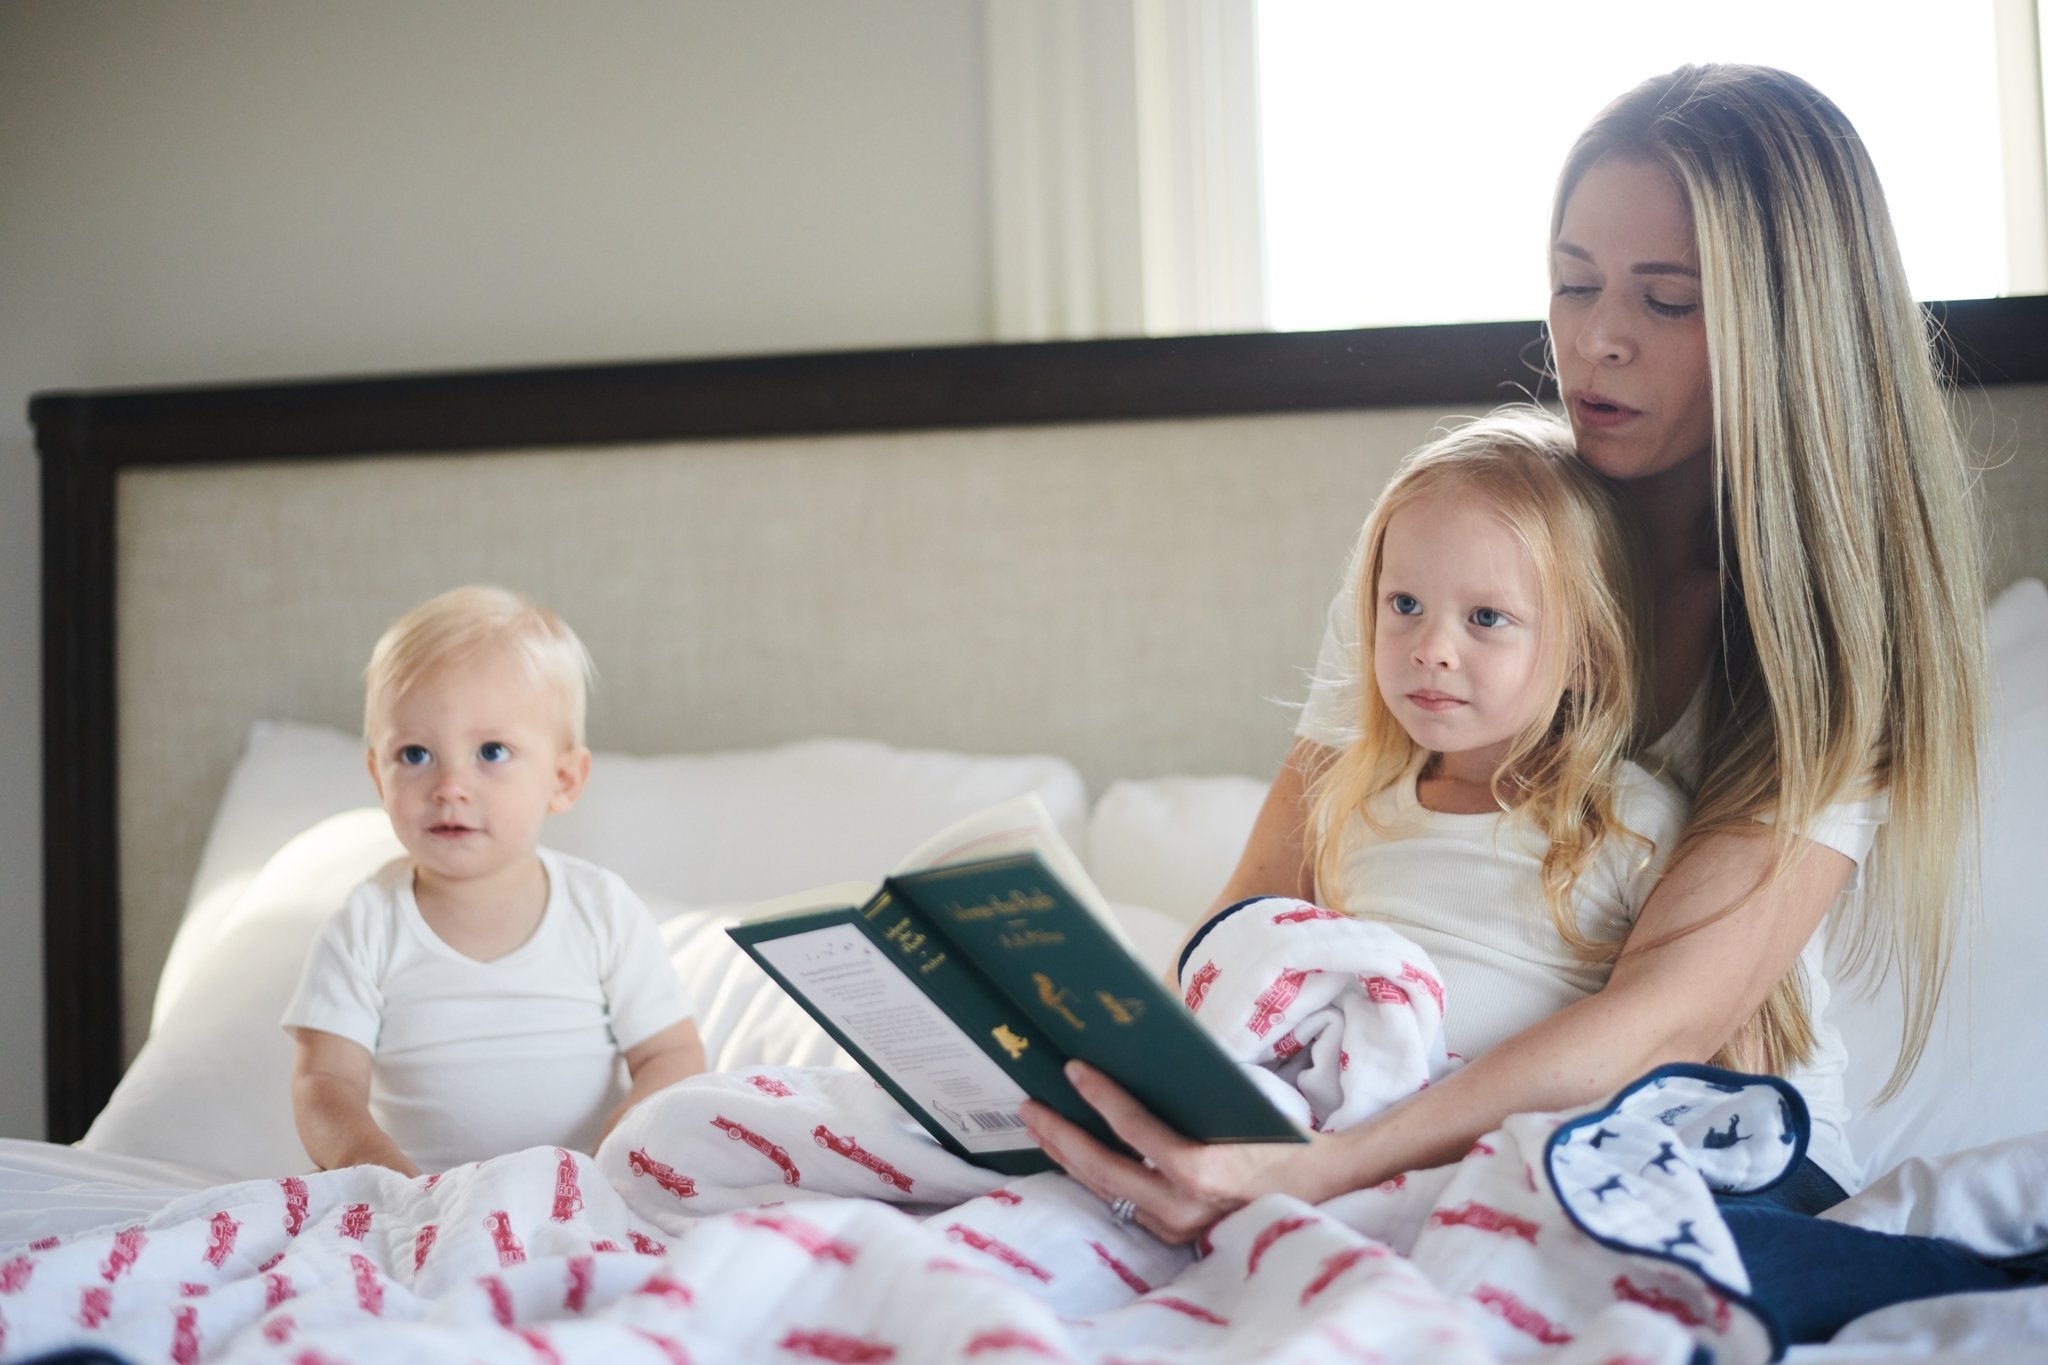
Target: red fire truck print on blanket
355,1221
1276,998
369,1293
989,1246
14,1274
860,1156
1012,1339
1303,912
1198,985
422,1243
836,1347
220,1238
128,1244
821,1245
568,1195
739,1132
1520,1316
768,1085
185,1337
681,1186
1649,1296
295,1205
1486,1219
511,1251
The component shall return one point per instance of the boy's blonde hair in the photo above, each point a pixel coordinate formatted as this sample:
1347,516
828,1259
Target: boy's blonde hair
1559,773
1852,642
467,622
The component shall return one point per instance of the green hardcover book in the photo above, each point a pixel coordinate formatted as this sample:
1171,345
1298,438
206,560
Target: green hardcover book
969,978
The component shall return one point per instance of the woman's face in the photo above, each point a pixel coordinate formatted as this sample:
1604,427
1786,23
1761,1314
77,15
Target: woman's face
1627,325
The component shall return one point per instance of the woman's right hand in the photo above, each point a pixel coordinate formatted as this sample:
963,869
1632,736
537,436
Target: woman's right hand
1181,1188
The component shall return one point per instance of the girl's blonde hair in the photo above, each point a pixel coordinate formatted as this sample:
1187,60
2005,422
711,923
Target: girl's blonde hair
464,623
1560,772
1852,650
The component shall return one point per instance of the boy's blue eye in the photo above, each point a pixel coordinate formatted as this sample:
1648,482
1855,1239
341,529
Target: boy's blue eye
1404,605
491,751
1488,616
412,755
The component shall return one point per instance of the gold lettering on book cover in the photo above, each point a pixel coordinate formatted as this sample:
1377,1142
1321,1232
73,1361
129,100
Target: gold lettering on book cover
1123,1009
1018,902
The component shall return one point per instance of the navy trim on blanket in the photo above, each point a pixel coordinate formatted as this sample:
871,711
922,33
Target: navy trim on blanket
1188,949
1797,1117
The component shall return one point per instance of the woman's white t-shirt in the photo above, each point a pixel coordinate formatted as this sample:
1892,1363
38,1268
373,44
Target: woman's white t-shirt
1330,718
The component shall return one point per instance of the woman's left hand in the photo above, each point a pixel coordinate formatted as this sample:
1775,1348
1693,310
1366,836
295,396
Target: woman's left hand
1182,1188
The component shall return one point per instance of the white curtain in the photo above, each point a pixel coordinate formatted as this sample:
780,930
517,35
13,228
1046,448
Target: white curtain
1124,167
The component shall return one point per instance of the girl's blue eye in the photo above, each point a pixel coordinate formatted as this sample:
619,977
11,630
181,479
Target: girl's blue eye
1404,605
491,751
412,755
1488,617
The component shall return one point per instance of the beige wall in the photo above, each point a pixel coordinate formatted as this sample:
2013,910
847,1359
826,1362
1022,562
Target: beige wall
232,189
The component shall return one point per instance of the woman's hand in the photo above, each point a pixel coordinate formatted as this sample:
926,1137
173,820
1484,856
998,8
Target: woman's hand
1183,1187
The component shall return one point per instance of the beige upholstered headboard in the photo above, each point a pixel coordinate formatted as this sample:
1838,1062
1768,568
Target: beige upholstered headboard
1139,589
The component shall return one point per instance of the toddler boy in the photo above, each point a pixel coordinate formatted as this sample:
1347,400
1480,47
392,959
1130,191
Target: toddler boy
478,995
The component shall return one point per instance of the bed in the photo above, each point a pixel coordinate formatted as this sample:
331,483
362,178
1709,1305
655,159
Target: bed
835,601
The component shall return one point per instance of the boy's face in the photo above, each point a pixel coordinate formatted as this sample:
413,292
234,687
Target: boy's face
468,762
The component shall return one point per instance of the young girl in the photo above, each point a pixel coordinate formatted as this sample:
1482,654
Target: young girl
1485,805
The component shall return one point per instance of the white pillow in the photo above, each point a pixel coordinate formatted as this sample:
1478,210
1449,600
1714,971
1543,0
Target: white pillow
1965,1092
696,829
1171,842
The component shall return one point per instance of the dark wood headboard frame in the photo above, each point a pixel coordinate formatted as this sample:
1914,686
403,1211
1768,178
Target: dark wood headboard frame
85,439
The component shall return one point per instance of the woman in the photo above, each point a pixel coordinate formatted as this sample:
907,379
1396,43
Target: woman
1735,342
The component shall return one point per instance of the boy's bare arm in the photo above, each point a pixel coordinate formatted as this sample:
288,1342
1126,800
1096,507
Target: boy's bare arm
331,1105
669,1056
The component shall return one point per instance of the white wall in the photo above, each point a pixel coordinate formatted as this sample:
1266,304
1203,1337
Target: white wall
234,189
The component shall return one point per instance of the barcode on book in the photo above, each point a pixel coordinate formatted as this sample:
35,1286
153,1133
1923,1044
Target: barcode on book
994,1120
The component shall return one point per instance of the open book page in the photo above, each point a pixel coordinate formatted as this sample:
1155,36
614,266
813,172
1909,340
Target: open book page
831,897
1005,830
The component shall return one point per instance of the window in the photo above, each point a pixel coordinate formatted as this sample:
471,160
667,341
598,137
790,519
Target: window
1408,152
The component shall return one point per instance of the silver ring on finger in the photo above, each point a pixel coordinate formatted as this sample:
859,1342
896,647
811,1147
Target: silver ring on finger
1122,1210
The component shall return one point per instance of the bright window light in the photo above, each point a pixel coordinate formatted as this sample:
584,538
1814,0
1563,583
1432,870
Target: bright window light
1409,151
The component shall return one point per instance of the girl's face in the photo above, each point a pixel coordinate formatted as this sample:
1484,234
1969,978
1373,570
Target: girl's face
1627,325
1457,637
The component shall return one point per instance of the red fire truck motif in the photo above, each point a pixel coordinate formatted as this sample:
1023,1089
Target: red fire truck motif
989,1246
646,1245
662,1174
582,1274
1011,1339
1303,912
1272,1233
1276,998
739,1132
45,1244
94,1305
355,1221
222,1229
1002,1196
568,1194
768,1085
1188,1310
1481,1148
501,1299
820,1244
1381,991
279,1329
270,1264
1123,1272
836,1347
422,1243
1486,1218
542,1347
1286,1046
295,1205
671,1349
14,1274
189,1290
1649,1296
277,1287
1326,1275
1198,986
1520,1315
128,1244
511,1251
433,1180
185,1337
860,1156
668,1289
1411,972
369,1292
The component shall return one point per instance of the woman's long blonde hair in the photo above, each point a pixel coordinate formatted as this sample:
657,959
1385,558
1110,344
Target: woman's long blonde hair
1560,772
1852,644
